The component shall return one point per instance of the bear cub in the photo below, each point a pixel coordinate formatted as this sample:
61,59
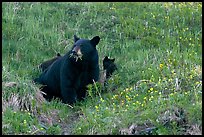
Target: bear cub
43,66
109,67
67,77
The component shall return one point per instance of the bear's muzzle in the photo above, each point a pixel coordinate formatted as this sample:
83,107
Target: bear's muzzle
76,53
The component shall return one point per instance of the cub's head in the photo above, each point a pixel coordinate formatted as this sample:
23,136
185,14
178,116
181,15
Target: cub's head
43,66
109,66
84,49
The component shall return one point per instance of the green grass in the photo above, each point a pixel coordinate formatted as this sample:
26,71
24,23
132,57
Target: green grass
158,51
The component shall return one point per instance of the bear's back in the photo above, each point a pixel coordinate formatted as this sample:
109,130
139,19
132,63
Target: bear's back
51,76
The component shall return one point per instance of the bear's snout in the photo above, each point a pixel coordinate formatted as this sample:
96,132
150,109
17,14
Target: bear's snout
74,53
77,51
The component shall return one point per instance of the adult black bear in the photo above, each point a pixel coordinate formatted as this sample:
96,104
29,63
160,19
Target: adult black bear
43,66
69,75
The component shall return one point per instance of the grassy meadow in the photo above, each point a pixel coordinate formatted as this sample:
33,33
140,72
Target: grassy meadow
157,47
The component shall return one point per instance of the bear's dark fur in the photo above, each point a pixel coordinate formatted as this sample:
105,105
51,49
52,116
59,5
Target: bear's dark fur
43,66
69,75
109,66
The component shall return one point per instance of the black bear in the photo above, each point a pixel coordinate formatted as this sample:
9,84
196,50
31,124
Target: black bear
68,77
43,66
109,66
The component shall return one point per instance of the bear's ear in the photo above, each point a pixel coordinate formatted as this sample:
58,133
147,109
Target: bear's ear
76,38
95,40
113,59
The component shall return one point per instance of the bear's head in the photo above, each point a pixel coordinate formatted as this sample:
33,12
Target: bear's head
109,66
83,49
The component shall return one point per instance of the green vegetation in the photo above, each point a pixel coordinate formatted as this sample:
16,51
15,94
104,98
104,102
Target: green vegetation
158,51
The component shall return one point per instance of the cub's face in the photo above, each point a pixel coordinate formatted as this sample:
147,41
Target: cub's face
109,66
83,48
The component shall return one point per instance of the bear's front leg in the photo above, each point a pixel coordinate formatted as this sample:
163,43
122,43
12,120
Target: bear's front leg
68,94
67,86
93,74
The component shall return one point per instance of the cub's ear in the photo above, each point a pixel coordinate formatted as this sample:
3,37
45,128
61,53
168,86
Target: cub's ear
58,54
95,40
76,38
113,59
106,58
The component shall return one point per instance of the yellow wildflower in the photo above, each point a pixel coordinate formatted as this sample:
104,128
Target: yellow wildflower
101,99
137,95
161,66
197,83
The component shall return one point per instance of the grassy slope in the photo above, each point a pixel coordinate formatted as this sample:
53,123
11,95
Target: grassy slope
156,42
